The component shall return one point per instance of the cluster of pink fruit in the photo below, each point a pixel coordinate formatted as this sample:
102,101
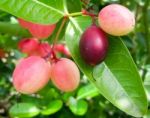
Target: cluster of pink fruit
33,72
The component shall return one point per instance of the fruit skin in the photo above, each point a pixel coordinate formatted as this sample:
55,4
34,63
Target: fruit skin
23,23
31,75
28,45
39,31
44,49
65,75
116,20
62,48
93,45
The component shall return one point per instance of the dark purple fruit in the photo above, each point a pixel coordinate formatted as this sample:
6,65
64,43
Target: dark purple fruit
93,45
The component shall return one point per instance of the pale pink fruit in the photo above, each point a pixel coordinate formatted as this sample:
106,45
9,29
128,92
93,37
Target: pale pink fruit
65,75
41,31
116,20
23,23
44,49
28,45
38,30
31,75
62,48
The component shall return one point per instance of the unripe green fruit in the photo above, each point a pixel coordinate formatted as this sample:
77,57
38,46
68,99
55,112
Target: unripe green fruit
65,75
116,20
31,75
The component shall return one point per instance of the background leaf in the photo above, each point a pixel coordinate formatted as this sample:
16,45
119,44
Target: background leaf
78,107
87,91
24,110
74,6
52,107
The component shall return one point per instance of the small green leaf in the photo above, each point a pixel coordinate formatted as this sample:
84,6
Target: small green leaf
87,91
78,107
53,107
33,10
24,110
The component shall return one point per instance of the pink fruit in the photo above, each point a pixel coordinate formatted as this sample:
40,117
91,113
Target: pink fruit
44,49
28,45
41,31
65,75
38,30
31,75
23,23
116,20
61,48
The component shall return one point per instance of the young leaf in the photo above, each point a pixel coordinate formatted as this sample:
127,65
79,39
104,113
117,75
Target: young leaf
117,78
24,110
78,107
87,91
53,107
33,10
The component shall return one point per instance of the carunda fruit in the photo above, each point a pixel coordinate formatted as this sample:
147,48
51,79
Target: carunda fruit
31,75
65,75
38,30
28,45
44,49
116,20
93,45
62,48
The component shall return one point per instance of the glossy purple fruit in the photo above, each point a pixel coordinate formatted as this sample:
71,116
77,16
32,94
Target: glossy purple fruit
93,45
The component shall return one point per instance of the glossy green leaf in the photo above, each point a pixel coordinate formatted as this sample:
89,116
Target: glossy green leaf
24,110
33,10
78,107
53,107
87,91
117,78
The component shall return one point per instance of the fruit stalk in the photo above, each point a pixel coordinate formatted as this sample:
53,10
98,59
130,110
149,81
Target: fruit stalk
59,30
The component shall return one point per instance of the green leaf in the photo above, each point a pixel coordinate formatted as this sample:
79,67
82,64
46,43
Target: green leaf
13,30
147,115
53,107
117,78
147,83
74,6
24,110
78,107
87,91
33,10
